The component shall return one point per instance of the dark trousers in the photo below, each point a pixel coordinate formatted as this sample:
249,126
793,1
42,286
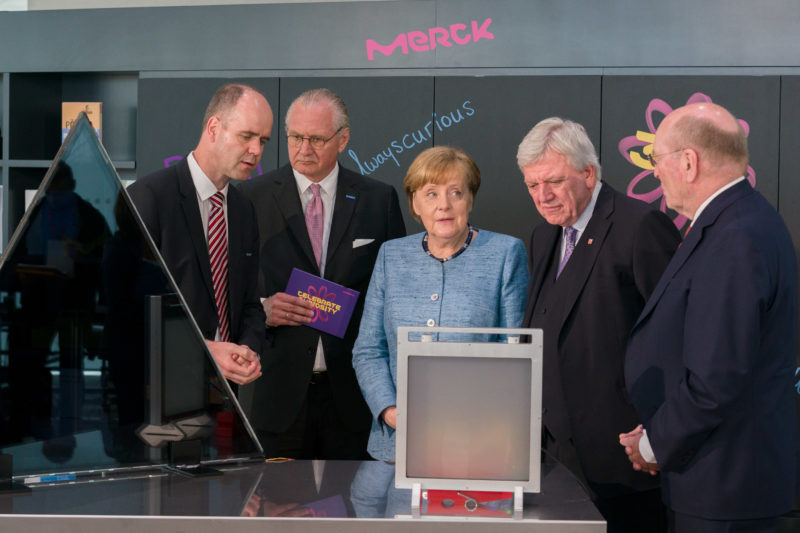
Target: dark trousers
636,512
624,510
684,523
318,432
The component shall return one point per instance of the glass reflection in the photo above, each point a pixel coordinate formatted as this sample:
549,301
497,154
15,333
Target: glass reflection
100,364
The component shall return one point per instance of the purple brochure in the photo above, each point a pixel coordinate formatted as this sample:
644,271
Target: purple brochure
333,303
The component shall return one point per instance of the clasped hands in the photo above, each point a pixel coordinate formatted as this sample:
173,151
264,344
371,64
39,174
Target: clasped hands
630,441
286,310
237,362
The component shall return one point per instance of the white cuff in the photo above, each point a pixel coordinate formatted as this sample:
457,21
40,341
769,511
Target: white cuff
645,450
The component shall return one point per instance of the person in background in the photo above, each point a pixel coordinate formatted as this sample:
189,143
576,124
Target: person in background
452,274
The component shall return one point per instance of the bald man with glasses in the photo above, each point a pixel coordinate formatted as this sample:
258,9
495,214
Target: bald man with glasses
319,217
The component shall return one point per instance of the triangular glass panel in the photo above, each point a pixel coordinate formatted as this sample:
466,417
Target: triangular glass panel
101,364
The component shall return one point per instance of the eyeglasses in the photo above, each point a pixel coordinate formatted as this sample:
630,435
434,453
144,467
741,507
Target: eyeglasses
654,158
316,142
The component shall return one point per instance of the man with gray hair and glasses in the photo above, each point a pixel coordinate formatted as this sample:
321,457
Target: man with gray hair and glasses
319,217
594,262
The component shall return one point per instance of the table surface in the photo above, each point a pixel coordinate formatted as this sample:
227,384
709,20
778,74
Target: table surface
313,493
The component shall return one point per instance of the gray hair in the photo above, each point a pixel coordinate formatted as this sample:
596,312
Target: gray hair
322,96
565,137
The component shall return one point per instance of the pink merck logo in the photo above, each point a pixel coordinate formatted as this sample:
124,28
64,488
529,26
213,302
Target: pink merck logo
420,41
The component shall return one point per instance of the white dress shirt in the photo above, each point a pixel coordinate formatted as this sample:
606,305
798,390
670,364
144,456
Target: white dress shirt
582,221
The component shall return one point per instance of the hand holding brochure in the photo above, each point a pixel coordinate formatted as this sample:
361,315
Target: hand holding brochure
333,303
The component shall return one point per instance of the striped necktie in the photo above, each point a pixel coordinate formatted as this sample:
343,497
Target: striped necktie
218,253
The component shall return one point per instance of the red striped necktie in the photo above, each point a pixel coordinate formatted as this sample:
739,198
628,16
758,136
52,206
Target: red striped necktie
218,253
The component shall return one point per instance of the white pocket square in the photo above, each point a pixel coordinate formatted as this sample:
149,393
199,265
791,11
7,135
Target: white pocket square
361,242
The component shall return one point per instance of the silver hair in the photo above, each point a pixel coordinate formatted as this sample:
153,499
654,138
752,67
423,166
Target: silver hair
323,96
565,137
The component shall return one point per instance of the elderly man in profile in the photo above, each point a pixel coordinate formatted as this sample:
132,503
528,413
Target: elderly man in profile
711,360
322,218
206,230
594,262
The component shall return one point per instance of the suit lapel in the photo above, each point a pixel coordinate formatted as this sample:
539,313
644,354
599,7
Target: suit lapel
235,276
693,238
344,207
543,245
580,265
288,201
194,223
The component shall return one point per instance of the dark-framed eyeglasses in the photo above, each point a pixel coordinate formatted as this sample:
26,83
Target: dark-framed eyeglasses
315,141
653,158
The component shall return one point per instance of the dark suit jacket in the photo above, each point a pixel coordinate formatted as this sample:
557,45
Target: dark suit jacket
363,209
167,202
711,362
586,319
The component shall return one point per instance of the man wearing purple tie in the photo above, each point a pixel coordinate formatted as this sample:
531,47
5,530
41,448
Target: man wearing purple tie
319,217
594,261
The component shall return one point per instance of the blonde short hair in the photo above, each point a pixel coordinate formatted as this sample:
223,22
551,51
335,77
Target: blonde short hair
435,165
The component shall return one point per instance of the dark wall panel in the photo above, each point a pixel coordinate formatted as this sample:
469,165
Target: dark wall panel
789,184
495,114
170,118
634,107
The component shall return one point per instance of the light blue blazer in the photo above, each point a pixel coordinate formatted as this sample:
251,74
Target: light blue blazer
485,286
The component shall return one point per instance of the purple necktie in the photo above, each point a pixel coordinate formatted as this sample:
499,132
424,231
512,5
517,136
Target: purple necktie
218,253
572,235
315,218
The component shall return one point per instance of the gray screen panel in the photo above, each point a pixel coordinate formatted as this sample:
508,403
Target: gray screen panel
460,421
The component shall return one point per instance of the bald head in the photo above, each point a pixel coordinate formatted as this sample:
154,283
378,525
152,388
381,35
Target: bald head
699,148
713,132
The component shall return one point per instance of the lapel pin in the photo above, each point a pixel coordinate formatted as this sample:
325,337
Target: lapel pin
590,241
350,196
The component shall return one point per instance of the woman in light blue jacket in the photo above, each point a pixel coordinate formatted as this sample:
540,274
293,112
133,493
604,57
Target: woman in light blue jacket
452,274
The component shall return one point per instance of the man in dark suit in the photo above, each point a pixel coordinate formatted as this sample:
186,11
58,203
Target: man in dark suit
711,359
309,405
594,262
177,205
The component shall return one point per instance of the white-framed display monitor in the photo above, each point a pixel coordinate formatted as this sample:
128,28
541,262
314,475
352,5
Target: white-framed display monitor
469,409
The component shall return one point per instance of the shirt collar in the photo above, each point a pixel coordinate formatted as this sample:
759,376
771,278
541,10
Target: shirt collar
583,220
328,183
710,198
203,185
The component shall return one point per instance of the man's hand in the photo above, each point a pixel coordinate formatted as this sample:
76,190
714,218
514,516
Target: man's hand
389,416
630,441
286,310
238,362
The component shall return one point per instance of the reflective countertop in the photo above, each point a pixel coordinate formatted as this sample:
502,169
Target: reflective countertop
299,489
